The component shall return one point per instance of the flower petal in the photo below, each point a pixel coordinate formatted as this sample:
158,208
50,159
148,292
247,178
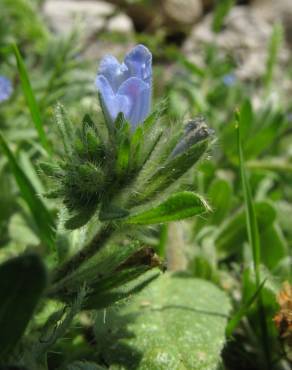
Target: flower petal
138,95
112,104
139,63
113,71
5,88
104,86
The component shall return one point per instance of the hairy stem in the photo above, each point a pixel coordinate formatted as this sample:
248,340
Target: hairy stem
86,253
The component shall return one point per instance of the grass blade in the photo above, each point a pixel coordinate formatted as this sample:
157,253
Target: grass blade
254,240
251,220
222,9
41,215
243,310
31,100
273,53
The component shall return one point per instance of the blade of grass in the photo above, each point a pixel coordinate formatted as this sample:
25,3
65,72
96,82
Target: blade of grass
251,221
40,213
243,310
273,53
31,100
222,9
254,240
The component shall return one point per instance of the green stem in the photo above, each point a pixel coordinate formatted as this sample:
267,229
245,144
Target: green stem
86,253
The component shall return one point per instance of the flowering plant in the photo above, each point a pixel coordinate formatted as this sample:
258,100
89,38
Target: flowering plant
121,170
123,176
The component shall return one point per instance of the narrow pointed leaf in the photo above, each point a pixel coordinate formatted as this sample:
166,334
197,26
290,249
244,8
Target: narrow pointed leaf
31,100
111,212
40,213
65,128
243,310
177,207
173,169
254,242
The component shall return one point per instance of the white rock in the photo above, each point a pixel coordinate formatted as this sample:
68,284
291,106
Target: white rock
63,15
276,10
184,12
245,35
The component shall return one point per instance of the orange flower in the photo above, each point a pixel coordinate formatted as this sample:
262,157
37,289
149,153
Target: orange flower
283,318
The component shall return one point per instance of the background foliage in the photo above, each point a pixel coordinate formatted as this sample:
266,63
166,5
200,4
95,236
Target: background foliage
117,308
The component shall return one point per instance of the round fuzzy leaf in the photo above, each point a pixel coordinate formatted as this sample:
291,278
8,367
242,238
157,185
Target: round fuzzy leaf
79,365
22,281
175,323
177,207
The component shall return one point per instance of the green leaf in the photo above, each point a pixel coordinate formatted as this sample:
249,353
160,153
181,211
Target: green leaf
80,365
273,53
247,127
40,213
243,310
173,169
31,100
222,9
177,207
123,145
254,243
65,128
175,323
267,298
111,212
81,217
191,66
110,291
274,247
220,196
22,281
246,118
251,217
231,235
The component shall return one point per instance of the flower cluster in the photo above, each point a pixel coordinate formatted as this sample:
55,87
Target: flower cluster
126,87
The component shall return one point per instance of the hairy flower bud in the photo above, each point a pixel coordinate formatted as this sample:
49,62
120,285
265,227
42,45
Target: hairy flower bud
195,131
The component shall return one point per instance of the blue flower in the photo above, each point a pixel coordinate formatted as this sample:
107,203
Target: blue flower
126,87
229,79
5,88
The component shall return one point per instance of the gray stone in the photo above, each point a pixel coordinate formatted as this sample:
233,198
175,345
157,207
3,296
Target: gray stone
169,15
185,12
276,10
245,35
63,15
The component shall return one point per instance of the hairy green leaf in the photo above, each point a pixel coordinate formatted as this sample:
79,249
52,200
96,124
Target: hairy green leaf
175,323
22,282
177,207
173,169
